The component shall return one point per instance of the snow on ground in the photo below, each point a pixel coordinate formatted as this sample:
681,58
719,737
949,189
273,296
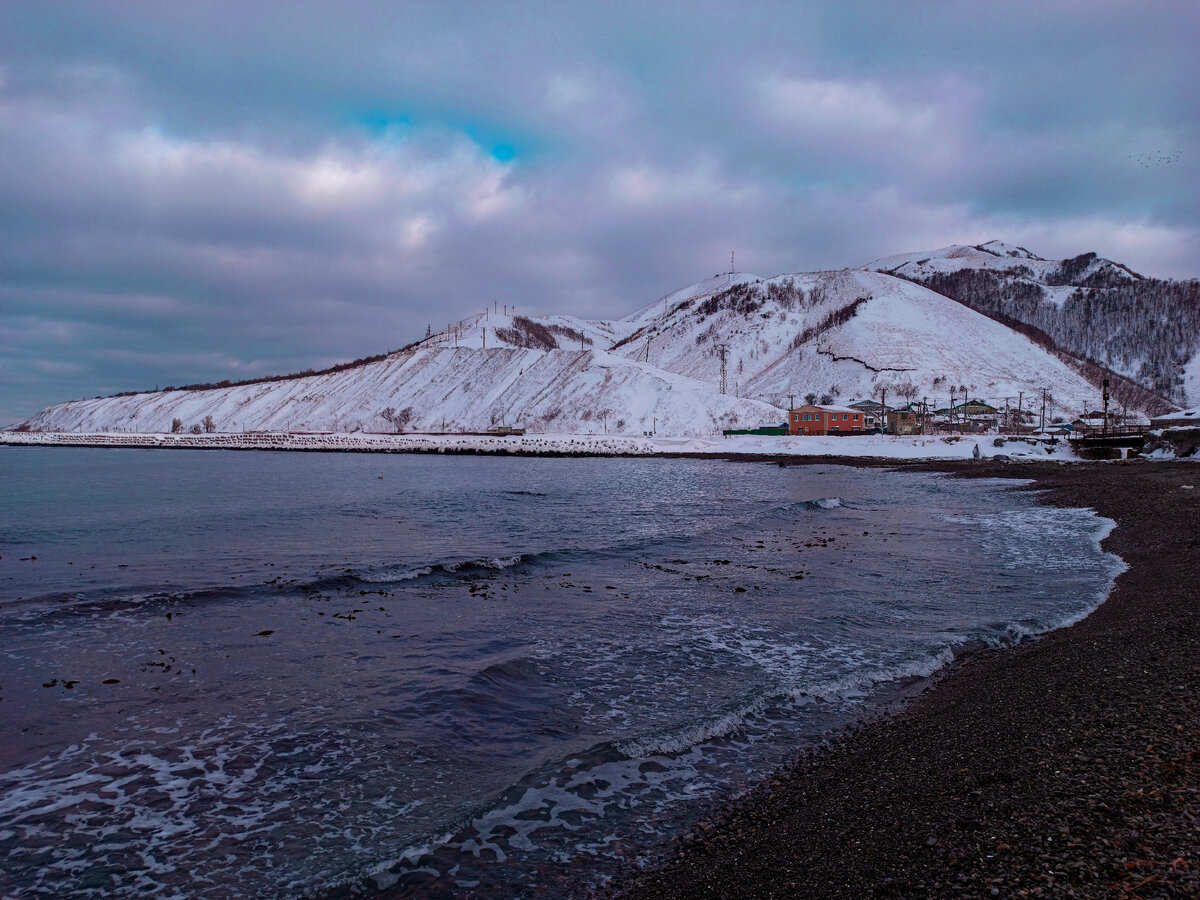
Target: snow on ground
859,446
1191,378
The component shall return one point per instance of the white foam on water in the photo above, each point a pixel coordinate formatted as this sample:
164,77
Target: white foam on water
159,818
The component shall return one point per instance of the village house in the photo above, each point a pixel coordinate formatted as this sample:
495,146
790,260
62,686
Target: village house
1176,419
872,412
1089,423
970,416
904,420
813,419
976,408
868,406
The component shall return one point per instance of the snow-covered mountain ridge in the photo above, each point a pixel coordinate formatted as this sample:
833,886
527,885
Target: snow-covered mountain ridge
844,335
1147,329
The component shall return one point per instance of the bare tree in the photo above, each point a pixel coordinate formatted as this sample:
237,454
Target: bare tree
397,419
209,425
810,398
907,390
176,426
196,429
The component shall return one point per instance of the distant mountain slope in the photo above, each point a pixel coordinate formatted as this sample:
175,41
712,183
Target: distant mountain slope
1145,328
440,389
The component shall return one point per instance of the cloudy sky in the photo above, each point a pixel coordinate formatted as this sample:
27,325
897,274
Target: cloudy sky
197,191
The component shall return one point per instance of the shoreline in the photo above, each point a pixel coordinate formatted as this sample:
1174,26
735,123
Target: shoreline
1068,766
854,449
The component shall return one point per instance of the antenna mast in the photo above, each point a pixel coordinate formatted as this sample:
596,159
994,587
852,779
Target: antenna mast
722,349
731,268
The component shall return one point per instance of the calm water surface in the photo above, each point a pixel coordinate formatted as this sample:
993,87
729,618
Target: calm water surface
251,674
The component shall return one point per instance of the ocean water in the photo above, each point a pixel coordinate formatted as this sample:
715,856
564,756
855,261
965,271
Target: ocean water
232,674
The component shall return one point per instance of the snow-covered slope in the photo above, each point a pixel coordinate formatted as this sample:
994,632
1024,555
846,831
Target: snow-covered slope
699,291
491,330
846,334
567,391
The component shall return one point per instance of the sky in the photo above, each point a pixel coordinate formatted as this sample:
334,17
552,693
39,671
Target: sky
199,191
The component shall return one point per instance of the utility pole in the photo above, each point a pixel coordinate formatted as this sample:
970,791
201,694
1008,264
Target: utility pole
1042,427
1007,417
1020,412
1106,406
924,413
731,268
723,349
484,337
883,408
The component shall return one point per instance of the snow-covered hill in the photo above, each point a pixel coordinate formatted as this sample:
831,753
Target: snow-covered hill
443,389
1146,329
845,335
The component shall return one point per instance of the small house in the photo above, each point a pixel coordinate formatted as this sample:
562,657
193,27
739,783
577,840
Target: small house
1177,418
904,420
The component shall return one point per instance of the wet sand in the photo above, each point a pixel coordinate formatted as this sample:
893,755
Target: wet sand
1068,767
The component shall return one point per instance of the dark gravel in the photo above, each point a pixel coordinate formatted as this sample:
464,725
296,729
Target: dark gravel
1064,768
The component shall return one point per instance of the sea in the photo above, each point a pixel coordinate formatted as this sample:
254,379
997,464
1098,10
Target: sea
251,674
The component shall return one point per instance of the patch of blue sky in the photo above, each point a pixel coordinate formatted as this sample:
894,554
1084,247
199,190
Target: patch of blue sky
501,146
380,123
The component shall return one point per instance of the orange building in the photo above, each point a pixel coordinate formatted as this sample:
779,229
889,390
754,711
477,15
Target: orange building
825,420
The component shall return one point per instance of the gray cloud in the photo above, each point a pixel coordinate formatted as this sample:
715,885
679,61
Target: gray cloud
200,191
